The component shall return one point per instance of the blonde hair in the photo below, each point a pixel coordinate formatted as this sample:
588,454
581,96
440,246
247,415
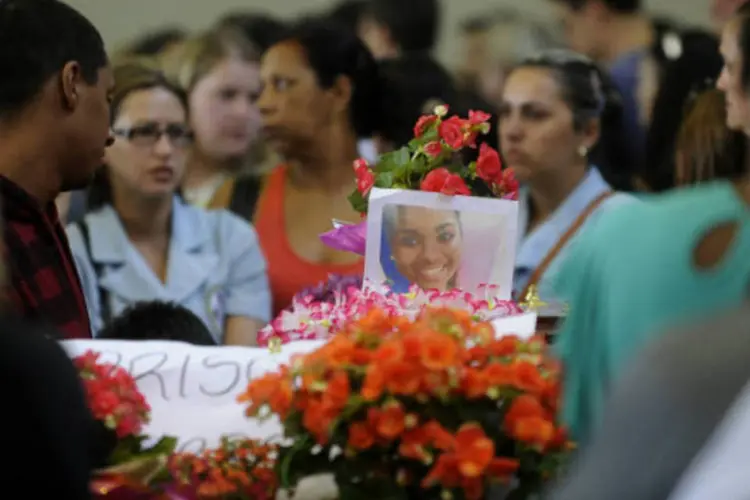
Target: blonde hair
188,62
191,60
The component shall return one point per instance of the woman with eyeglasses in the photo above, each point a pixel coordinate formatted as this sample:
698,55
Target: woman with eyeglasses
556,133
141,242
671,261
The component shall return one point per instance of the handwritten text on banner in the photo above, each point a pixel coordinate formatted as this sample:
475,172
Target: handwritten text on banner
193,390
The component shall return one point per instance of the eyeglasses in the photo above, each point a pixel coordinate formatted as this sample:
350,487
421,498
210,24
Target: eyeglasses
149,134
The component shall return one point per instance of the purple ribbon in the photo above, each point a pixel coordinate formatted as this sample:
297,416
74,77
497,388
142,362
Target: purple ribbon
347,237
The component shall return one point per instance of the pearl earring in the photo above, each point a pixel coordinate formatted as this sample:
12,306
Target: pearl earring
583,151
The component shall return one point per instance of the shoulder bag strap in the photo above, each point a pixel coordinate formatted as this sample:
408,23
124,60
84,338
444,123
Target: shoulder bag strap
245,197
104,305
555,250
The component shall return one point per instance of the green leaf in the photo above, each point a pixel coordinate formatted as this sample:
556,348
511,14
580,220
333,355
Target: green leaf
402,157
358,202
385,179
386,163
166,445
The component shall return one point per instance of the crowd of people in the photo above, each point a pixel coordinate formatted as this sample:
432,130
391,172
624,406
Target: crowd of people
176,188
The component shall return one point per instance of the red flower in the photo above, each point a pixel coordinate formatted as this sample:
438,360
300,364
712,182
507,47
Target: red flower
423,124
478,117
443,181
433,149
489,168
452,132
113,396
365,177
360,164
510,184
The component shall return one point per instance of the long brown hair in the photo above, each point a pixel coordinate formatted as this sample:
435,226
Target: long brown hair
706,149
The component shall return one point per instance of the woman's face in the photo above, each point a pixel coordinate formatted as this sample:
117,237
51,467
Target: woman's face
151,143
426,246
293,107
223,112
536,126
730,79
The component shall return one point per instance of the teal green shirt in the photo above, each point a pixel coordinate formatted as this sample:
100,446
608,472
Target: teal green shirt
631,276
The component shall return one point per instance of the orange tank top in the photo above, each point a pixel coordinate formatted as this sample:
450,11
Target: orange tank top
288,273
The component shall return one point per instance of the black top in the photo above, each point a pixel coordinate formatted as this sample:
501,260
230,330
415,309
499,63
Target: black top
46,428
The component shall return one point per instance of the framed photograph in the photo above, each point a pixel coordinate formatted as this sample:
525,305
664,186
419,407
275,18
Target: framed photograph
440,242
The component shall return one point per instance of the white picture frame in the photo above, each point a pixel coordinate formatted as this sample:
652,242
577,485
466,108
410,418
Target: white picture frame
485,255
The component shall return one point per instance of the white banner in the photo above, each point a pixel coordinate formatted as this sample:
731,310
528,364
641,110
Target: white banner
521,325
193,390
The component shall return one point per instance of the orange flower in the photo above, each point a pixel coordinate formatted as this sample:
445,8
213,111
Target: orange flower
498,374
483,332
374,384
439,383
361,436
272,389
474,450
438,351
390,351
375,322
551,395
412,347
411,380
475,384
438,437
280,401
389,421
402,378
340,351
413,444
456,322
361,357
536,432
477,355
444,472
502,468
318,419
523,406
337,391
506,346
526,377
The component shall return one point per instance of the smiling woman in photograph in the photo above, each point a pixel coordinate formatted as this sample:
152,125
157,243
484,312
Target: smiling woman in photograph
421,246
141,242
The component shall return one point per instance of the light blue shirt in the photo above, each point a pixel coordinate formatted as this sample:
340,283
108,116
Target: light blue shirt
215,267
534,246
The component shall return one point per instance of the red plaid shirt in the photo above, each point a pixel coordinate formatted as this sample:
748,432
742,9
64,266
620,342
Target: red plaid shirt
43,281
